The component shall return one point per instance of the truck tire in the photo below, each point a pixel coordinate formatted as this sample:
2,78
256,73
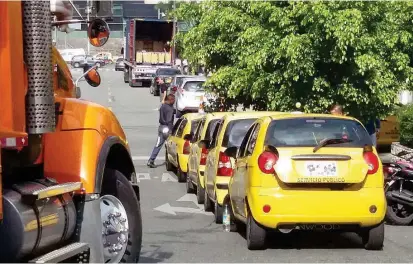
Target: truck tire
117,185
126,75
130,78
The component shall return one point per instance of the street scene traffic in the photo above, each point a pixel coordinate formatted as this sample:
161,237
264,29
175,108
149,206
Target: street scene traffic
263,132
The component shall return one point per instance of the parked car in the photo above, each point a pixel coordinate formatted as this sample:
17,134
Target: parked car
190,95
120,64
179,143
296,171
229,132
166,74
79,61
177,82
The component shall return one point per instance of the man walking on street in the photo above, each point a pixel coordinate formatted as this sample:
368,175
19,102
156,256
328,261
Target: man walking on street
166,120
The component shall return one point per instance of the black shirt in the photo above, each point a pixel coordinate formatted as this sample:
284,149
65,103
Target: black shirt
163,87
166,115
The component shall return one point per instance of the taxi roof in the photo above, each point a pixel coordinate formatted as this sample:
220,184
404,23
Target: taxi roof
258,114
289,115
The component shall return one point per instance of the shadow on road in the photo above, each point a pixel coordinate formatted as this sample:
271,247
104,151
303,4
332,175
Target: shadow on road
311,240
155,255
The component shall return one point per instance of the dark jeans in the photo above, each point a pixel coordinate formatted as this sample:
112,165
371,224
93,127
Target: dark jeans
159,143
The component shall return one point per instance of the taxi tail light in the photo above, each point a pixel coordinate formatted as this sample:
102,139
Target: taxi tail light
371,159
224,165
174,88
266,162
204,154
187,146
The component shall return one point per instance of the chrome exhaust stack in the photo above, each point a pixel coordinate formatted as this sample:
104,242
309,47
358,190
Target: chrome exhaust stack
37,36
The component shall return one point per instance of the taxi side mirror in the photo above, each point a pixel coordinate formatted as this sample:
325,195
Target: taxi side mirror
93,78
188,137
231,152
204,143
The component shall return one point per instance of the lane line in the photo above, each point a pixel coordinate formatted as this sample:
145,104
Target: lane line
146,158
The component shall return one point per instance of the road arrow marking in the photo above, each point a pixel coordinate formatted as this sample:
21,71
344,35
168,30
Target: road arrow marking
190,198
167,177
168,209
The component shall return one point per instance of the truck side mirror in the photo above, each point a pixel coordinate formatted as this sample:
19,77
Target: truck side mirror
98,32
93,78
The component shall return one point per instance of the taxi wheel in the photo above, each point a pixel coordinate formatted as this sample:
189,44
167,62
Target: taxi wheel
181,175
200,192
207,202
168,165
189,184
218,212
373,238
235,225
256,234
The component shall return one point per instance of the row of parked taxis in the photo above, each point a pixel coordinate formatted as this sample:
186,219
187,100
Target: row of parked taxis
281,171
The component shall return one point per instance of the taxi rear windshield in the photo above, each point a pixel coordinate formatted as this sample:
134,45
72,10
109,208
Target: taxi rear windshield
235,132
308,132
194,86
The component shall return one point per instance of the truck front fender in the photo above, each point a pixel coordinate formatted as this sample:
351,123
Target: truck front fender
87,140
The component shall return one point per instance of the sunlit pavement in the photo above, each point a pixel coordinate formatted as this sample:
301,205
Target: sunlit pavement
176,230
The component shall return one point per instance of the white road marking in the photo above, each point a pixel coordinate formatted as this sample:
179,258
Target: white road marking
190,198
146,158
168,209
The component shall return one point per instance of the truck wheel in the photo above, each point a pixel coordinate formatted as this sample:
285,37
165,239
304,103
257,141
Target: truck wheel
120,211
373,238
126,75
130,79
256,235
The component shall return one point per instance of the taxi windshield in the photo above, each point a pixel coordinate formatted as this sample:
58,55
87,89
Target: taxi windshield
309,132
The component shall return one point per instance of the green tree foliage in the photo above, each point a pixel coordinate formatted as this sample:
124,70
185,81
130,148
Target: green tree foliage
274,54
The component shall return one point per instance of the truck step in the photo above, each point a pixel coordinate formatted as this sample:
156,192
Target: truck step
47,192
78,252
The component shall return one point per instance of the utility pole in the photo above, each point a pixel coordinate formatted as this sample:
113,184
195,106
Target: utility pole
174,34
88,11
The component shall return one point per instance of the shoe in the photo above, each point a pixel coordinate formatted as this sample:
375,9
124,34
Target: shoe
151,164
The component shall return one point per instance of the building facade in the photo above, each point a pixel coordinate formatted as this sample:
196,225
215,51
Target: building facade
122,10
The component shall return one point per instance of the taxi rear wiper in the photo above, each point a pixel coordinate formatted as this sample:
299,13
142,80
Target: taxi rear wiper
330,141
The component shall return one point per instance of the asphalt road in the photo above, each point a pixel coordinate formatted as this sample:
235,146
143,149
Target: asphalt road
175,230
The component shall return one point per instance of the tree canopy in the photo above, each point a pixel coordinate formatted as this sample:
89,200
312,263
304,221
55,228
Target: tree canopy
274,54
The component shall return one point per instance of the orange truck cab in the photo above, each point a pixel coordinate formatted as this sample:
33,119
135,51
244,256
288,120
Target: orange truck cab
60,156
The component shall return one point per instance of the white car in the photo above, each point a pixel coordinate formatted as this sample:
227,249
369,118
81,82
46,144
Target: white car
189,95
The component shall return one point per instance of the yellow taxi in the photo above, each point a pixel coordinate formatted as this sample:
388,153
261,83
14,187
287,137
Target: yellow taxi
178,144
229,132
198,155
307,172
389,131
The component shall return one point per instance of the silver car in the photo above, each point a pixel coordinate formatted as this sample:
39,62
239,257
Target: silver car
190,94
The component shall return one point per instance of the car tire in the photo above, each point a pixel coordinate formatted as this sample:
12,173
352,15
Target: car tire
200,192
76,65
168,165
218,211
373,238
256,234
207,202
189,184
116,184
130,79
126,76
181,175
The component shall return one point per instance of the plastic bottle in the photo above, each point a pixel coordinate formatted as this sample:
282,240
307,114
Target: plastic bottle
226,218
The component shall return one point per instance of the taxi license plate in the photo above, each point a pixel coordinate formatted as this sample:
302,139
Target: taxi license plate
321,169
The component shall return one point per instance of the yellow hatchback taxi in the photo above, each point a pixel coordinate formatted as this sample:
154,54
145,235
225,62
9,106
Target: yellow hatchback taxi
197,156
307,172
178,144
229,132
